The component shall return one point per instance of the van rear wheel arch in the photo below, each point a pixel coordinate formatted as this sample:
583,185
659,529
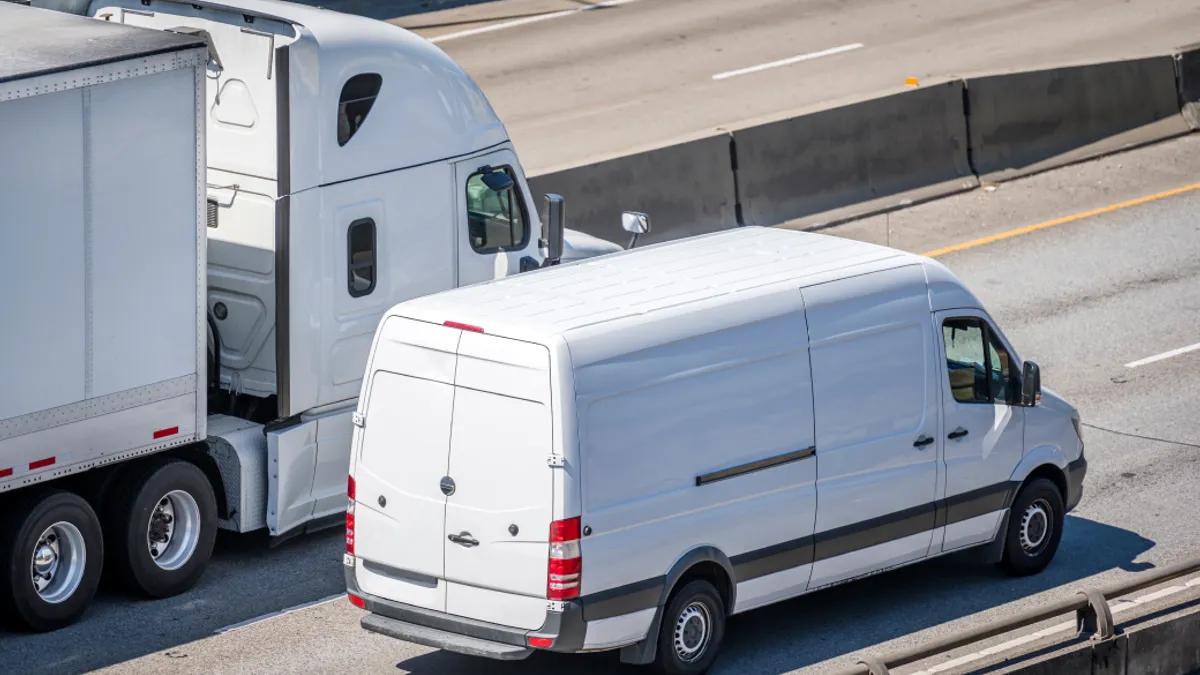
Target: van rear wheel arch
705,562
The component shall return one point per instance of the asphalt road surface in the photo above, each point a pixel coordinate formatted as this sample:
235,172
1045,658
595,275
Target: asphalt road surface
1083,298
577,80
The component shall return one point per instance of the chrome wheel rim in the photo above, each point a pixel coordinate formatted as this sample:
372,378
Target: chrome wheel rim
173,531
58,561
693,629
1036,527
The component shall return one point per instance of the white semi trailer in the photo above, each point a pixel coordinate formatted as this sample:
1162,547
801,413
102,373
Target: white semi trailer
200,228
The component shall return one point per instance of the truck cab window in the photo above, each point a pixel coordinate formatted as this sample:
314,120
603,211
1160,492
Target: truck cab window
496,221
358,95
979,366
360,263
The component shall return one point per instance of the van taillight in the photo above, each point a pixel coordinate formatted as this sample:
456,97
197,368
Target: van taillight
350,516
566,561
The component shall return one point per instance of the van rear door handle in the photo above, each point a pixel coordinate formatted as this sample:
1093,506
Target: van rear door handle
922,441
464,539
957,433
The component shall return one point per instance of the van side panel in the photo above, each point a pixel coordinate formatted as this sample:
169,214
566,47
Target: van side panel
653,421
875,395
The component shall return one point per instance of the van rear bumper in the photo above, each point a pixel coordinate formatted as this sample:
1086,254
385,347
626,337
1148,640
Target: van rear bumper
431,628
440,639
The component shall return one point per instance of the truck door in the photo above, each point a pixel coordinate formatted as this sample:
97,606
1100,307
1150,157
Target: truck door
496,227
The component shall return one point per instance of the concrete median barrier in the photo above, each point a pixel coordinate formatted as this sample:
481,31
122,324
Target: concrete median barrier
874,155
686,189
1022,123
1187,72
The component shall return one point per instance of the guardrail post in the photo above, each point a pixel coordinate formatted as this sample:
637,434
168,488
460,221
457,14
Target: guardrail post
874,665
1095,620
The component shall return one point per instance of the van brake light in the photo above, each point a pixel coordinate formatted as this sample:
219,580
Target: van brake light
565,570
350,516
463,326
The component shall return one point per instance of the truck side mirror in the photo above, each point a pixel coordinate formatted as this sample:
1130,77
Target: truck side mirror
1031,384
636,224
554,210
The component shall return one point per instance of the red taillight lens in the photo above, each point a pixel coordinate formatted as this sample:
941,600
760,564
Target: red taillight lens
565,570
540,642
357,601
350,516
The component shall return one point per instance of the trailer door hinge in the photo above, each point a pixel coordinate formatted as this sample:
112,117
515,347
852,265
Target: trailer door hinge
556,461
360,420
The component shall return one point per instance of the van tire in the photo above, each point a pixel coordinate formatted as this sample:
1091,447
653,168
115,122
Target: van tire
192,508
696,616
71,522
1028,546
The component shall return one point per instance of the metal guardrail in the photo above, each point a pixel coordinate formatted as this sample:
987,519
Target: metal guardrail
1093,617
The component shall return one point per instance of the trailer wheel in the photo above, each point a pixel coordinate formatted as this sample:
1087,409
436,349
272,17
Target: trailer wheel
161,528
52,550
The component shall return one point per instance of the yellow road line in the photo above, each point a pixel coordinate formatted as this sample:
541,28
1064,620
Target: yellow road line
1059,221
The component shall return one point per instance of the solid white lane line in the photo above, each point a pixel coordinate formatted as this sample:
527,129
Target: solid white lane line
528,20
1164,355
271,615
788,62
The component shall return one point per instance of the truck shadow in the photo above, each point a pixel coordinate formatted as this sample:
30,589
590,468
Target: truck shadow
836,622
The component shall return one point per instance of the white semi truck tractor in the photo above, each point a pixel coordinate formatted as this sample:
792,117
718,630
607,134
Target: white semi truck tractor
205,209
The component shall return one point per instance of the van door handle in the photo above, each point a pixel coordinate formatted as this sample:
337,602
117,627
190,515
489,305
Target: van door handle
464,539
922,441
957,433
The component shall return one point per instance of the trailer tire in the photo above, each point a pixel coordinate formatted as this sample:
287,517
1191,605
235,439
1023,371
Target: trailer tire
65,528
161,528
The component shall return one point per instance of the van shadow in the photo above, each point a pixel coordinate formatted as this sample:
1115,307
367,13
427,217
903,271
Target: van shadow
839,621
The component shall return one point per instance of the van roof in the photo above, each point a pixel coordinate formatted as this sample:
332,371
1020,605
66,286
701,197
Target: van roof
36,41
725,268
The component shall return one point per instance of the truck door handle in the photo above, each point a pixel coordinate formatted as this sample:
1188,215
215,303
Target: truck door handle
464,539
922,441
957,433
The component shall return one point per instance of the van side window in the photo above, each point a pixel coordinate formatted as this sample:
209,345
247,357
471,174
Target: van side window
979,366
496,221
360,262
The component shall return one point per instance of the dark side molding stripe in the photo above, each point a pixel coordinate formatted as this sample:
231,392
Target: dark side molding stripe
645,594
759,465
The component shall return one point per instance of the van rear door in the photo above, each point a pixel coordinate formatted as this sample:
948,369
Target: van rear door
498,515
400,508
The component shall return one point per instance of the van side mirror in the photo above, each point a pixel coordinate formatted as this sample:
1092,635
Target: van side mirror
554,209
1031,384
636,224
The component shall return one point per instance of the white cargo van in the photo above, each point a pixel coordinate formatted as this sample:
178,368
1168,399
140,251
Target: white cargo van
624,451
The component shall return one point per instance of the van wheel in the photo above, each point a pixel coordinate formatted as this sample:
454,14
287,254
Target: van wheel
1035,525
161,528
52,550
693,626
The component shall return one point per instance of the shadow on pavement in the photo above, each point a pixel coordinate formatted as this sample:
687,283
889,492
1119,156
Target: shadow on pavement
845,619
